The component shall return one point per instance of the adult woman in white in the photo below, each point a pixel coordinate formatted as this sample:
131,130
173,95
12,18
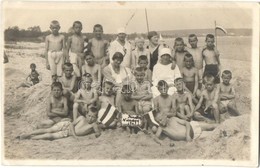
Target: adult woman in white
117,73
123,46
163,71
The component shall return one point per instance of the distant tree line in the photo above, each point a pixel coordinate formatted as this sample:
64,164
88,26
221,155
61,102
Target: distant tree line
34,34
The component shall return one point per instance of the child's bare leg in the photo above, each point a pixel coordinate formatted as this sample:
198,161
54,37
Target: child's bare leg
222,108
233,108
45,124
187,110
215,112
96,130
118,97
207,127
181,112
75,111
198,117
48,136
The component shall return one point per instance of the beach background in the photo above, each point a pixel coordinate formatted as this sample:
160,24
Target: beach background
25,107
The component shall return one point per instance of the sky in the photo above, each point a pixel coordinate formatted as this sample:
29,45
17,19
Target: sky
113,15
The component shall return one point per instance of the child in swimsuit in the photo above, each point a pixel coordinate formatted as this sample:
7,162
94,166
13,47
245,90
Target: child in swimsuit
32,79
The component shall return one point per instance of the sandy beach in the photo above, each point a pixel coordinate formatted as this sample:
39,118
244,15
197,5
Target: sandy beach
25,107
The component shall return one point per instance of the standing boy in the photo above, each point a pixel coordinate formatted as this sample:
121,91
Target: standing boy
75,48
211,58
139,50
179,52
99,46
54,46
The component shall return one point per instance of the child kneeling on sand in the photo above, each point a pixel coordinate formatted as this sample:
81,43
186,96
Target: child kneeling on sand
80,127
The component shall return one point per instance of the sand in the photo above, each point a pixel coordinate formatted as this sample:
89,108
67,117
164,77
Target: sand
25,107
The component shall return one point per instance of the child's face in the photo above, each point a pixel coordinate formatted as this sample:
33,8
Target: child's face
33,68
179,85
121,36
77,28
91,117
55,29
179,46
163,90
87,82
90,60
34,75
108,89
188,62
226,78
210,42
127,96
117,62
143,63
139,76
155,40
140,44
56,92
193,41
68,71
165,59
210,86
98,32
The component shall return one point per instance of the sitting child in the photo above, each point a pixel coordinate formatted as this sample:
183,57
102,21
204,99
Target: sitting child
32,79
211,98
182,101
92,68
127,105
85,98
143,63
163,103
57,108
181,130
227,95
68,80
142,92
80,127
190,77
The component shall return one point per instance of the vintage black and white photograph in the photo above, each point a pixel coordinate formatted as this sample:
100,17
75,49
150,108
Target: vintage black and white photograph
128,83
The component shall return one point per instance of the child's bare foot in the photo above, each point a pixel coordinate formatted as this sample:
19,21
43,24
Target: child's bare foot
24,136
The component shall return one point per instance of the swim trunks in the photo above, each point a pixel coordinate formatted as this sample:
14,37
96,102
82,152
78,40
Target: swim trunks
212,69
196,129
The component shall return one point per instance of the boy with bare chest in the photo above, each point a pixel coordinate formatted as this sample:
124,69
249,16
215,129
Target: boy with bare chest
75,47
179,52
182,101
54,46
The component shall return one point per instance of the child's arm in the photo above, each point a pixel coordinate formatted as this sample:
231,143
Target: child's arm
156,105
72,84
136,108
199,103
83,70
72,128
64,111
196,82
216,96
95,98
49,110
99,75
64,47
46,52
190,104
68,49
173,60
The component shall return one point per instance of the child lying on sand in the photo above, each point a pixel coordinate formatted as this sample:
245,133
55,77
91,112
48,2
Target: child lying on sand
181,130
80,127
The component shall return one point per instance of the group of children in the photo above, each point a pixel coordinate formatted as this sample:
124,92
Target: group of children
79,89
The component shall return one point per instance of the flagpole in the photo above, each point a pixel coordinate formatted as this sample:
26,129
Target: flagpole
216,34
147,24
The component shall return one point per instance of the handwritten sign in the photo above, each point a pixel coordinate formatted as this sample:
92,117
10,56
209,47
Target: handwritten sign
131,120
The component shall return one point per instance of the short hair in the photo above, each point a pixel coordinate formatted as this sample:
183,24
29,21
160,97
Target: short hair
192,35
126,89
139,70
32,65
139,38
142,58
208,78
178,39
151,34
54,23
189,56
96,26
210,36
227,72
118,55
88,76
162,83
56,84
108,83
67,64
77,22
178,79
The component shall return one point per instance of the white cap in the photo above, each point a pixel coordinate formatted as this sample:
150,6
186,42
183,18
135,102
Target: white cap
121,30
165,51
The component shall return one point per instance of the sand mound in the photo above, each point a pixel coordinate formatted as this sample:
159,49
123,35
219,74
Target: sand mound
230,140
36,103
